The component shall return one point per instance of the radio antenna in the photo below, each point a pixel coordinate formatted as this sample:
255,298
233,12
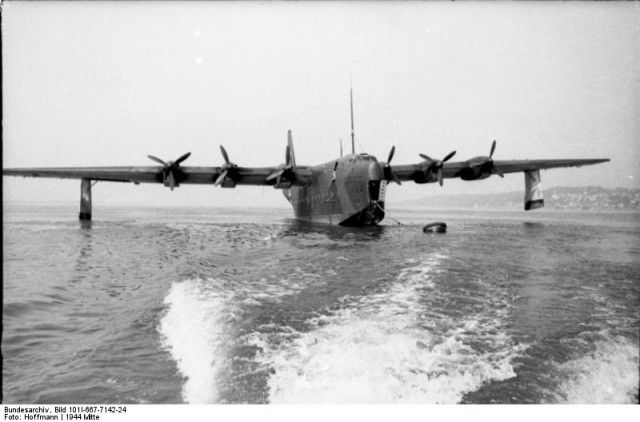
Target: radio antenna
353,142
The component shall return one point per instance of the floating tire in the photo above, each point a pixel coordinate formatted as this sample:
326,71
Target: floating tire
437,227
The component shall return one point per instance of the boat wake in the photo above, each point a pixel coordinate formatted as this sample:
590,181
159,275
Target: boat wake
384,348
194,332
608,375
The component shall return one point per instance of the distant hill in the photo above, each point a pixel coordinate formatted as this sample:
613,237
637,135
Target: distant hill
586,198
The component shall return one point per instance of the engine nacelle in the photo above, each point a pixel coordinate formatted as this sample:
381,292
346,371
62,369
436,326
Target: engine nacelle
424,176
476,173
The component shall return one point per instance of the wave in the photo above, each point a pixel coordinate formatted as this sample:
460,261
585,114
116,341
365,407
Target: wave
198,327
607,375
193,331
376,349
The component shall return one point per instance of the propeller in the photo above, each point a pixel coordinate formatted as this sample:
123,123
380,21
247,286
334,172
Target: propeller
493,166
488,161
436,165
486,164
286,170
171,169
387,167
227,167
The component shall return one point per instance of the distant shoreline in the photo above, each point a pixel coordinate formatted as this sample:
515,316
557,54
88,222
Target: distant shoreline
559,198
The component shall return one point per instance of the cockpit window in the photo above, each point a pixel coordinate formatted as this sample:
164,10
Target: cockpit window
365,157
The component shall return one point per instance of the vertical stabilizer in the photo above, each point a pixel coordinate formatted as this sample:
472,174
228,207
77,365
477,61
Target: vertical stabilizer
292,156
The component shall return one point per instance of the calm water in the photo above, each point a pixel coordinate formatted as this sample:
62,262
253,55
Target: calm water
250,306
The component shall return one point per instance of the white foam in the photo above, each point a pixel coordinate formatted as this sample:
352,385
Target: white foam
376,351
197,326
609,375
193,331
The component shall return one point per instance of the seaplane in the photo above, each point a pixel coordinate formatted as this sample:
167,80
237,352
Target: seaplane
348,191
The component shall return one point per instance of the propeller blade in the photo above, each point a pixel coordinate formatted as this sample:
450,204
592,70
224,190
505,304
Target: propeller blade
172,180
440,175
448,157
496,169
221,178
157,160
275,174
387,167
224,154
426,157
287,157
181,159
393,151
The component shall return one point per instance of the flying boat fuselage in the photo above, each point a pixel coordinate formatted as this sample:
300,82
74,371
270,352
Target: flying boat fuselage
348,191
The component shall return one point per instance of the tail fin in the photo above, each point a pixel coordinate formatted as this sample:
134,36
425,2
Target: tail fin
292,156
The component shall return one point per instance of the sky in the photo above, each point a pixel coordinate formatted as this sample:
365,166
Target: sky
107,83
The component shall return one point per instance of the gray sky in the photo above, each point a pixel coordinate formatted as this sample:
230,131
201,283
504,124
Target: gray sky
102,84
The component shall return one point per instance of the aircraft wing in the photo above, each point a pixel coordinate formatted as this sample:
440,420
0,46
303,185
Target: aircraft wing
478,169
153,174
513,166
171,174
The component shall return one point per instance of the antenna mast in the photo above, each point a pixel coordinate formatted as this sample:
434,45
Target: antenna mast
353,142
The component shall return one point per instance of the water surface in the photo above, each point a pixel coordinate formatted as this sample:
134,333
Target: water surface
202,305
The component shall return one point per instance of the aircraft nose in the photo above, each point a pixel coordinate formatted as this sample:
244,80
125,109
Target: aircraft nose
375,171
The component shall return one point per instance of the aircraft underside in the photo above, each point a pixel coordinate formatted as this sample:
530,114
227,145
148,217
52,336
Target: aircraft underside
370,215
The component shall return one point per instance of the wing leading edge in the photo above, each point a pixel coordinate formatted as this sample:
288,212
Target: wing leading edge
514,166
